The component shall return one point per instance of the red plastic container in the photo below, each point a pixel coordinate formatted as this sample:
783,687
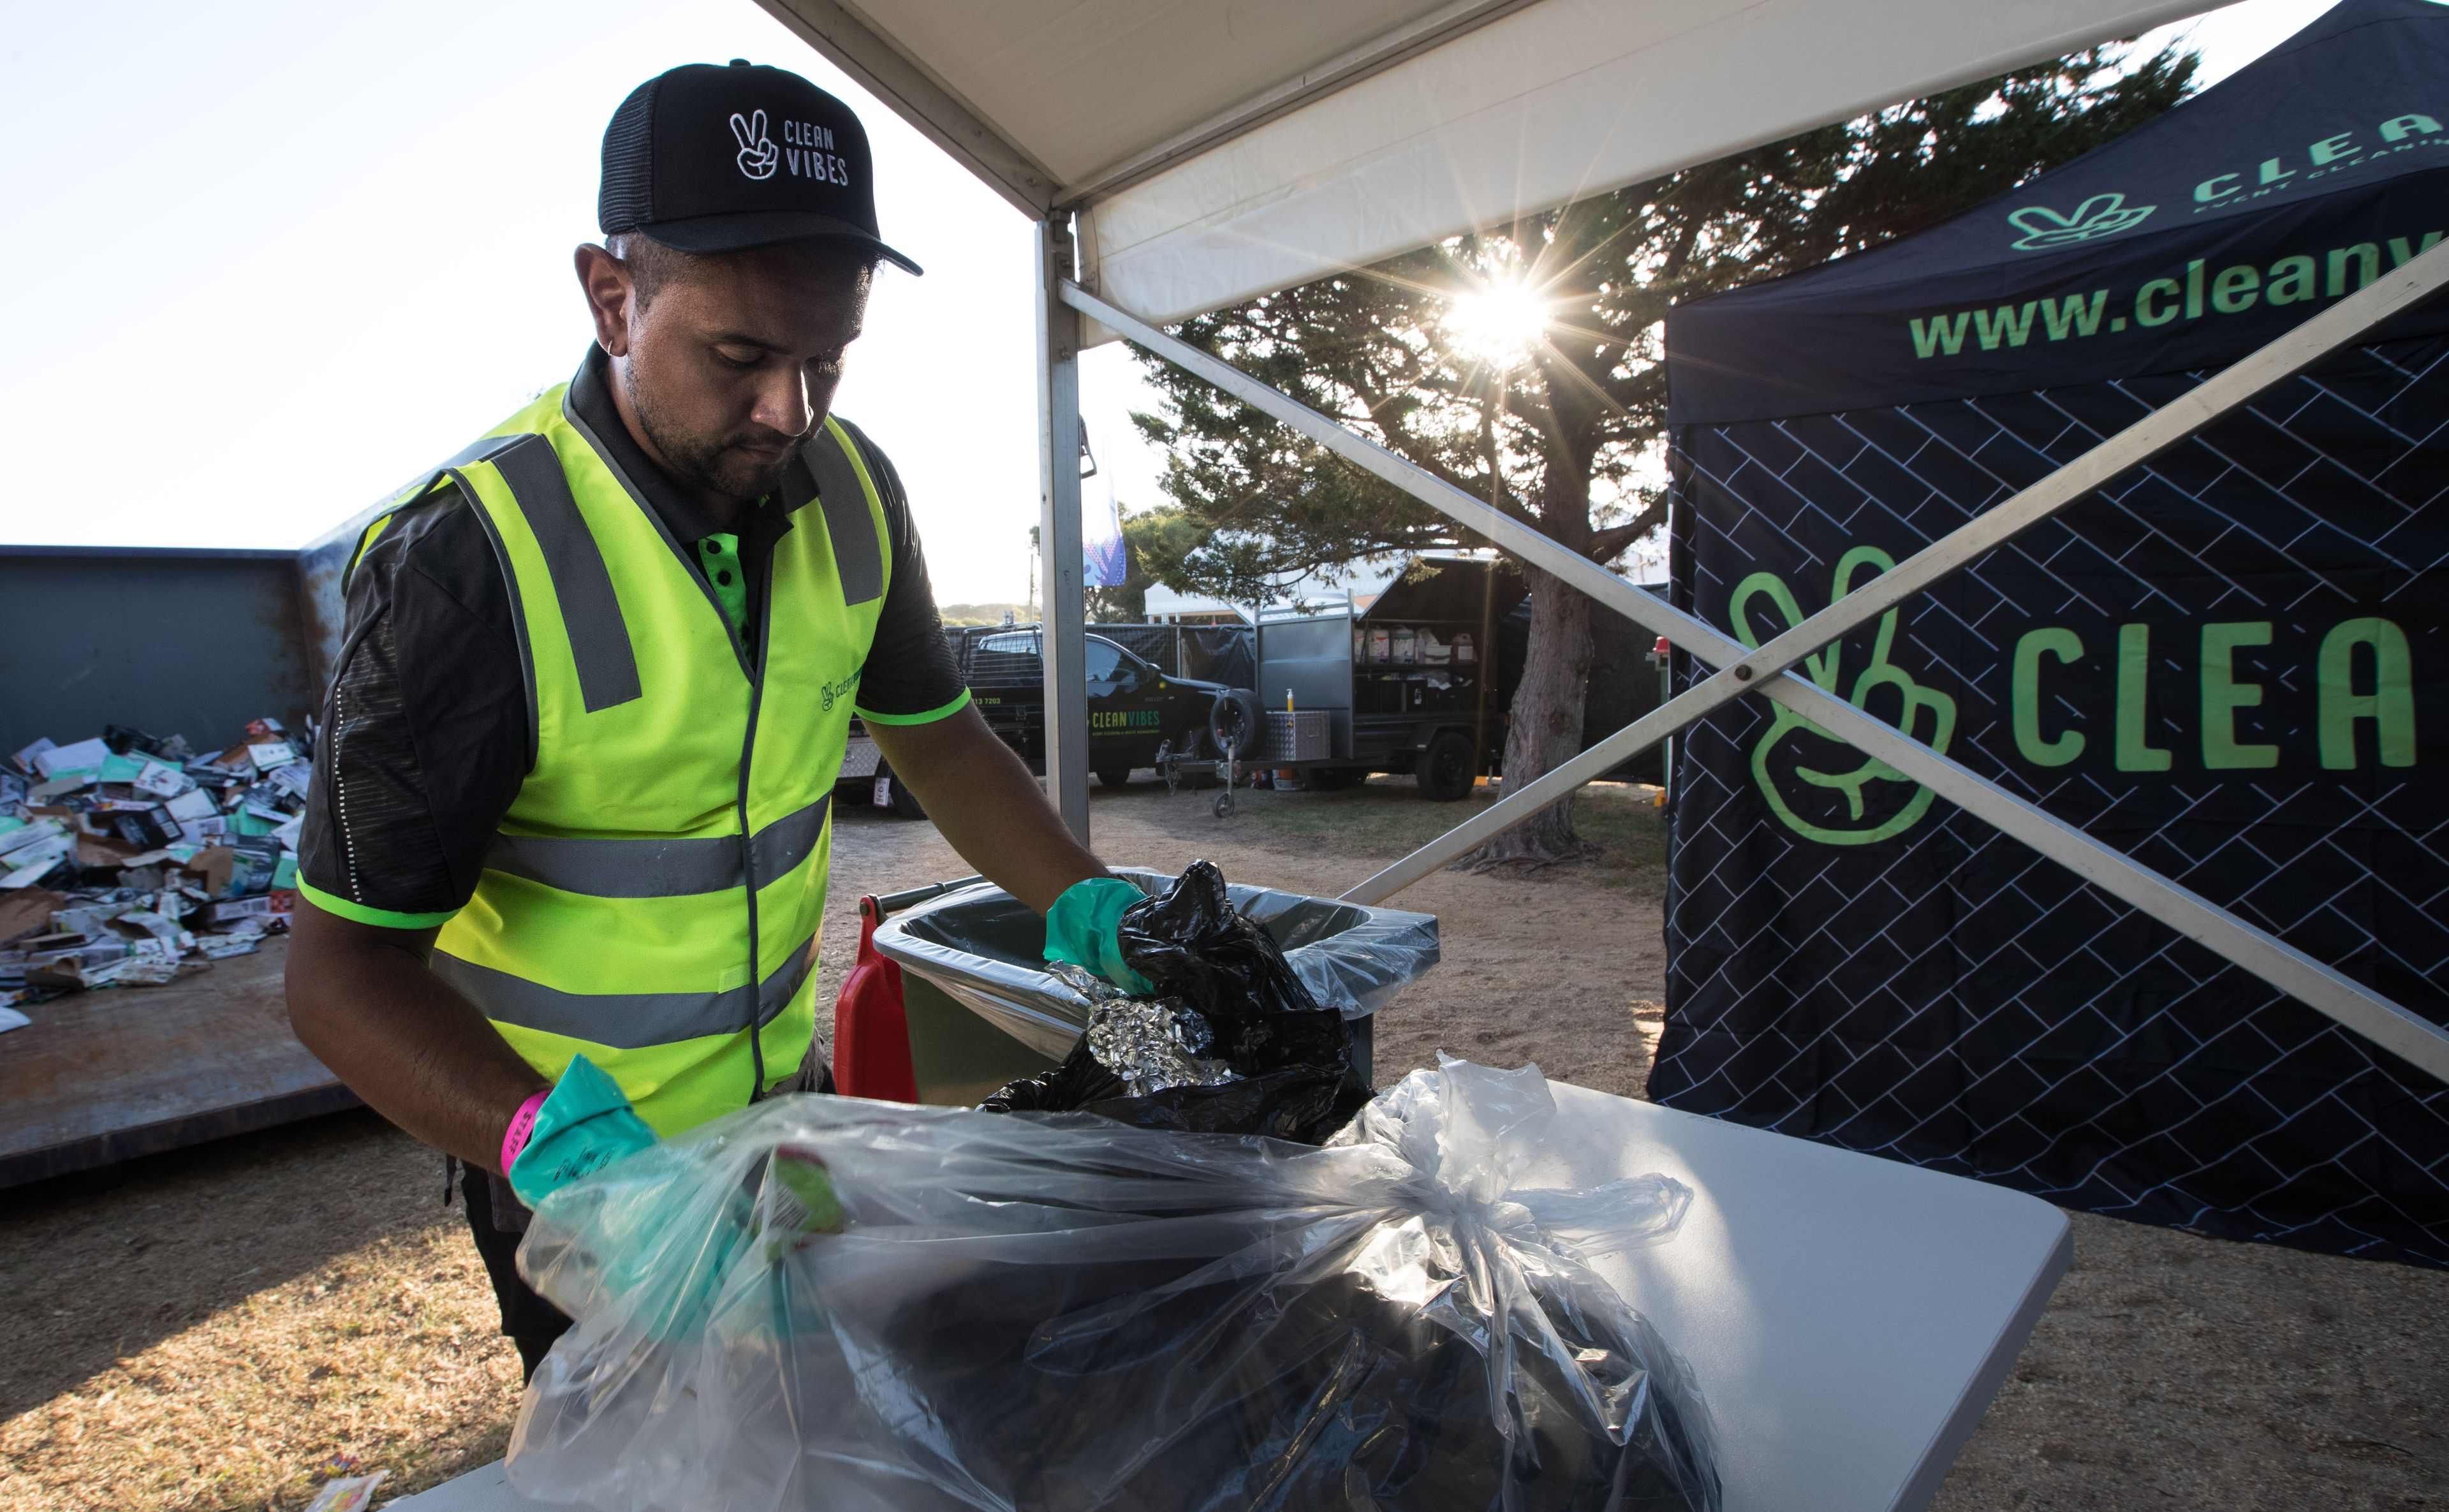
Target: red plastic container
871,1028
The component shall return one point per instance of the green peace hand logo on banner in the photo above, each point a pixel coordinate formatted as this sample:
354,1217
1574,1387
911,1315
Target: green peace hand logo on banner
1862,824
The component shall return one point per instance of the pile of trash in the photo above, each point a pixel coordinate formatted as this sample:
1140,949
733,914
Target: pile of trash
128,860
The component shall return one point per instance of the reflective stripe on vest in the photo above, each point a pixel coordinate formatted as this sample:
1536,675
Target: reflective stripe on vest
627,1020
659,868
657,888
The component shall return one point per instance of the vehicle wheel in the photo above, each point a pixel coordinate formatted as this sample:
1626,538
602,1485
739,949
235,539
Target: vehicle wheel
1446,769
897,795
1113,776
1334,779
1237,724
1224,804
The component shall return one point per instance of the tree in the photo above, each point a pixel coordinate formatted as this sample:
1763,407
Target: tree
1522,363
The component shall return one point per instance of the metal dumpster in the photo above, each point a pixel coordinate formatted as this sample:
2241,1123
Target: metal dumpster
983,1008
172,642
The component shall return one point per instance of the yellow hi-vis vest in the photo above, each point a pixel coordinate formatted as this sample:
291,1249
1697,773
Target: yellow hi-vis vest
655,892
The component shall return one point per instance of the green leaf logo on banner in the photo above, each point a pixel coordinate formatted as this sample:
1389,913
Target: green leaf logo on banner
1871,816
2100,216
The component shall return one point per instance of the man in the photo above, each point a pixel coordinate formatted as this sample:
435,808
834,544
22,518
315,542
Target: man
563,862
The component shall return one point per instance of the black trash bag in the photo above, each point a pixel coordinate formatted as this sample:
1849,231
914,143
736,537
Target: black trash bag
1292,1067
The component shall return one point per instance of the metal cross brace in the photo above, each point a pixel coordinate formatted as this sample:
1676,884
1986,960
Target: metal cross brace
1766,669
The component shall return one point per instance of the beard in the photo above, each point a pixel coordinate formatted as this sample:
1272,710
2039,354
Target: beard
728,465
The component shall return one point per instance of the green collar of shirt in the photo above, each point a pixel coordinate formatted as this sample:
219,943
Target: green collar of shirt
719,559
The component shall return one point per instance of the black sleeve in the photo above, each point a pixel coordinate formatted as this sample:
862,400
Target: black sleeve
427,733
910,677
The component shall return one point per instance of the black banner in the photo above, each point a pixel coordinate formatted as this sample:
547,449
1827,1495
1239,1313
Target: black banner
2232,665
2184,244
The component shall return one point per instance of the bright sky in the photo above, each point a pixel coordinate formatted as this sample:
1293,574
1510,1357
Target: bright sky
345,232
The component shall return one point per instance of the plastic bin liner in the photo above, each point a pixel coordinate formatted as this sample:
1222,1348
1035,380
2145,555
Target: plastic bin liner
984,948
1228,1040
1058,1314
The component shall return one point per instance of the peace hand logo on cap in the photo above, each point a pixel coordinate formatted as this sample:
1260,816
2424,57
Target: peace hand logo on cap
758,155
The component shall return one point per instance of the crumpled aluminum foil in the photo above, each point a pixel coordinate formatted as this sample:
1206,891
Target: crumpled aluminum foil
1152,1044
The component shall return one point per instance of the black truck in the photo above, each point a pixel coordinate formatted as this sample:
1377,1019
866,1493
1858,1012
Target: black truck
1141,710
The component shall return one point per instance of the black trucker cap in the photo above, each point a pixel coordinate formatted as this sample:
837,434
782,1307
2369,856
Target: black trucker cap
708,159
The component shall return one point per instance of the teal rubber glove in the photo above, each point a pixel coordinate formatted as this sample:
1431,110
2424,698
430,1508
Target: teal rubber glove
584,1126
650,1247
1080,930
664,1248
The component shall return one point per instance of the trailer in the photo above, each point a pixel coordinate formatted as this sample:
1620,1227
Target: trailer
1420,679
1407,681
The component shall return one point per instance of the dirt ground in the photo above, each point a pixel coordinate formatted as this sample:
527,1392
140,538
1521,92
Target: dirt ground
226,1326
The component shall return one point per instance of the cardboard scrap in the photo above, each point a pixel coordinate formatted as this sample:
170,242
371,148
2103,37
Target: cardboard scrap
82,755
28,910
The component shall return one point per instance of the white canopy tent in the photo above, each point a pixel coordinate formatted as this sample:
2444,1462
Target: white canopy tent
1214,151
1208,152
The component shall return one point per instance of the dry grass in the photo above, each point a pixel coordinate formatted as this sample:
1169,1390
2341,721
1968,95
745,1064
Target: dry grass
1387,817
236,1324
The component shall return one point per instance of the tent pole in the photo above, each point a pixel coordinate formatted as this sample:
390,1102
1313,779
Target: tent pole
1062,642
1744,670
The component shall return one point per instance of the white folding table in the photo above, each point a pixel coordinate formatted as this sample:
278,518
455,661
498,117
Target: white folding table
1848,1318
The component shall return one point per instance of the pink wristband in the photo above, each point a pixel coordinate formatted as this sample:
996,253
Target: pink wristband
514,1138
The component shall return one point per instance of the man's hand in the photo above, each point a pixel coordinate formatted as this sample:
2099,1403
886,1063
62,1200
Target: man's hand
421,1055
658,1246
1082,929
985,802
584,1126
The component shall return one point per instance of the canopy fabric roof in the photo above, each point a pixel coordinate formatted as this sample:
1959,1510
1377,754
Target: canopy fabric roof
2184,244
1218,151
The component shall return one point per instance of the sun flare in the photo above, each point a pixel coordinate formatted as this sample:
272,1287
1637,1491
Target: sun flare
1501,324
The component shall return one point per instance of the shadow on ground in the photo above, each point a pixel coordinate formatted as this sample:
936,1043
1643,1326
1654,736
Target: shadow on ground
101,1265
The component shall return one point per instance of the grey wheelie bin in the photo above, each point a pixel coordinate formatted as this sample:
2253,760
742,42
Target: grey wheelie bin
983,1008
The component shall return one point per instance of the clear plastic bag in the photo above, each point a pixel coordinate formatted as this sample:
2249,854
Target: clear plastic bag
1053,1312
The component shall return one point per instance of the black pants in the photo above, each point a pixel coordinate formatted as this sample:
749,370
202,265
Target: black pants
499,1220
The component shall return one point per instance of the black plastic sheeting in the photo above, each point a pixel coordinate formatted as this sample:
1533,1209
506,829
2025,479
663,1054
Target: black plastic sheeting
1292,1060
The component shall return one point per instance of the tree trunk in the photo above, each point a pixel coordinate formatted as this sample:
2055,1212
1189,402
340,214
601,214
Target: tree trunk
1547,729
